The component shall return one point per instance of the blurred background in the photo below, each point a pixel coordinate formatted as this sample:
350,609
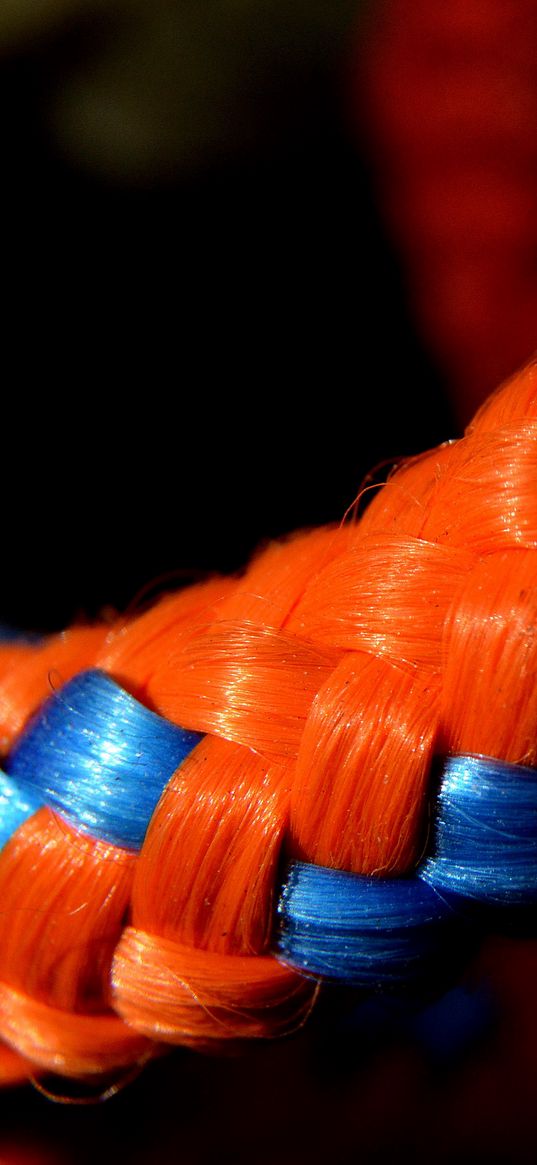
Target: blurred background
250,251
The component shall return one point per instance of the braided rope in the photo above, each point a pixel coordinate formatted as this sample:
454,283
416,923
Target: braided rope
325,768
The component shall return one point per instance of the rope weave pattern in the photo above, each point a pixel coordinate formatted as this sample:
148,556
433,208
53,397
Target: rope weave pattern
303,772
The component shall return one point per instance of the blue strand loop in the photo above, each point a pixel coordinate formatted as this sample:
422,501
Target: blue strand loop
99,757
484,844
360,930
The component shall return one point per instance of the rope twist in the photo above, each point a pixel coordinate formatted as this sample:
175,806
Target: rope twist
323,768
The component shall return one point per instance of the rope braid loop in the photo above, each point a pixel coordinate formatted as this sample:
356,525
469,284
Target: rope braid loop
325,768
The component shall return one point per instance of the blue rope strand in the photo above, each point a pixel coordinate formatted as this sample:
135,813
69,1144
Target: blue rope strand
100,757
359,930
485,835
16,805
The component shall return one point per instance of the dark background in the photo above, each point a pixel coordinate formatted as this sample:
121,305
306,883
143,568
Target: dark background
368,1080
200,355
210,353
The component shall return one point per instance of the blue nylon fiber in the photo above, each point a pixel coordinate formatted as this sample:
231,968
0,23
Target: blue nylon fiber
16,805
485,836
99,757
360,930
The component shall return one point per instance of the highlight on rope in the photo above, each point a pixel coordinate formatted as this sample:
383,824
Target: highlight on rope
320,771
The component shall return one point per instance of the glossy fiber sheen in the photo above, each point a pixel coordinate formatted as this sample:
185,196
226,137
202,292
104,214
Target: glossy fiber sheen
100,757
485,837
16,805
362,931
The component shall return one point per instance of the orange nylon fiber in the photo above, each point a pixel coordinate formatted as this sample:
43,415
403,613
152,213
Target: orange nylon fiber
489,694
63,898
244,682
195,997
279,575
132,651
204,882
401,504
514,401
207,869
67,1043
327,680
386,595
488,499
358,792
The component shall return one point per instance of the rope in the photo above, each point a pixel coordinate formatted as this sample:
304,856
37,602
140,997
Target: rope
323,769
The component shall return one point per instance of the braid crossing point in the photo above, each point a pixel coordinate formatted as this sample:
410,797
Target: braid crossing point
325,767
